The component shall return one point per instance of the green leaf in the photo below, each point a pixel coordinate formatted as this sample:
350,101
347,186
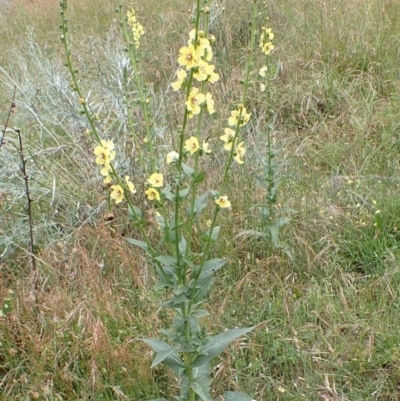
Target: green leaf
206,271
217,344
166,275
166,260
199,391
158,399
138,243
277,69
215,233
176,301
135,213
187,170
250,234
282,221
212,265
199,313
203,290
167,192
199,204
6,306
274,231
156,344
234,396
182,245
160,285
162,355
199,178
183,193
173,361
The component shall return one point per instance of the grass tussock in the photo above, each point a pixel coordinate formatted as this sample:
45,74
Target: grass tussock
325,304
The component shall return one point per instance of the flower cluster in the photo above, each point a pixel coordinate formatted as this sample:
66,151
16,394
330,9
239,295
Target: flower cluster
263,73
266,40
156,180
137,29
196,57
238,118
192,145
105,154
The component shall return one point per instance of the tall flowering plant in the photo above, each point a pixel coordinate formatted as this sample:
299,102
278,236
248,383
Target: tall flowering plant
173,187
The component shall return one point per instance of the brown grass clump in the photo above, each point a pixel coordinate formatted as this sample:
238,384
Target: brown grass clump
93,307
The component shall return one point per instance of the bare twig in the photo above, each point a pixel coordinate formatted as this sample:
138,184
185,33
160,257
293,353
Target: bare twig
12,109
30,219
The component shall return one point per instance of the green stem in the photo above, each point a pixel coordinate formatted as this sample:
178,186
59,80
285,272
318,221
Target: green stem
186,309
249,66
73,72
270,173
137,142
91,120
204,258
142,100
182,274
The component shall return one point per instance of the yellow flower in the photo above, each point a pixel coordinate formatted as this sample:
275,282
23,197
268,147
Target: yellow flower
206,148
181,74
188,57
210,103
240,152
152,194
156,180
107,180
105,170
267,48
203,70
203,44
265,40
267,32
104,152
172,157
228,138
212,76
223,202
117,193
239,116
192,144
263,71
262,88
137,29
194,101
103,155
110,146
130,185
209,55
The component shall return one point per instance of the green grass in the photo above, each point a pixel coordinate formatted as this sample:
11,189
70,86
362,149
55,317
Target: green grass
327,318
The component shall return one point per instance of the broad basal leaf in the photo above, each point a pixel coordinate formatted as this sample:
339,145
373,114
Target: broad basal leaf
217,344
138,243
234,396
172,360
